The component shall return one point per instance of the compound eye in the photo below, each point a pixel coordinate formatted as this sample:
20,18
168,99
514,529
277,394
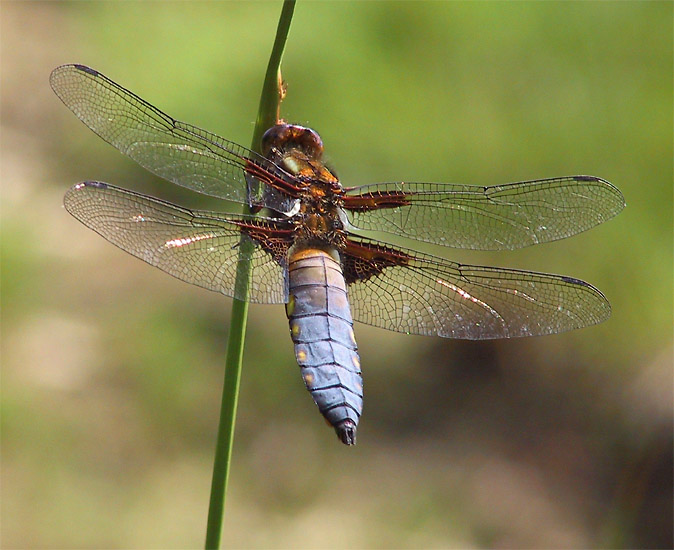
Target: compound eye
274,137
311,142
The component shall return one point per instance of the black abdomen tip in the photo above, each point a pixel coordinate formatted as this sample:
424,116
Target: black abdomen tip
346,431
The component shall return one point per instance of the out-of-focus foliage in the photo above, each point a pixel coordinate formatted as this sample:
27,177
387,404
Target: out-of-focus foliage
112,370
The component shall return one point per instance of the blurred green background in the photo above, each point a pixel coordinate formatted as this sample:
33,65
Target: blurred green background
111,370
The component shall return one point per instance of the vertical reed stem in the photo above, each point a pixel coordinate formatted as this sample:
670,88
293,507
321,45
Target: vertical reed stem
268,114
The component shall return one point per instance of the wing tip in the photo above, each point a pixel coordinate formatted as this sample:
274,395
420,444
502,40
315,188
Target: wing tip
85,69
92,183
70,67
89,183
619,197
69,197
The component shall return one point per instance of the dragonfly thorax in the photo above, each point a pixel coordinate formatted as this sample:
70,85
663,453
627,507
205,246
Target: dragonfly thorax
298,150
320,227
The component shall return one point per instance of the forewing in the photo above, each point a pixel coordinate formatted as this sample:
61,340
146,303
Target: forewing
176,151
197,247
404,291
501,217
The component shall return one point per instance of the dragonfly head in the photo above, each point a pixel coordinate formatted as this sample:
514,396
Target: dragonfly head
286,137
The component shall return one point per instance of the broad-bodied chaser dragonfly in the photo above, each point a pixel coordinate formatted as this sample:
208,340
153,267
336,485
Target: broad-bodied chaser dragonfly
305,254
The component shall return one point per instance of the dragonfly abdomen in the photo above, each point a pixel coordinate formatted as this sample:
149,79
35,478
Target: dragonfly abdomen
322,329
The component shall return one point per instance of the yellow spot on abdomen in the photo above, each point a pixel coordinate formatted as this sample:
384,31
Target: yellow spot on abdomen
301,356
290,306
308,378
295,329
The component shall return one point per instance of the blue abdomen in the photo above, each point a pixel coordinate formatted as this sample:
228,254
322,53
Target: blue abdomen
322,329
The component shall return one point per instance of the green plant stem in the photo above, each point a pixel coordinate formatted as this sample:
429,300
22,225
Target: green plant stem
268,114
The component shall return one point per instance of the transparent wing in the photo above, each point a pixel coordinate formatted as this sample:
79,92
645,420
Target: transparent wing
404,291
197,247
502,217
176,151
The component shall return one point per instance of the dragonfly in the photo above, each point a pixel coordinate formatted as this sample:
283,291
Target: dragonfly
307,243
